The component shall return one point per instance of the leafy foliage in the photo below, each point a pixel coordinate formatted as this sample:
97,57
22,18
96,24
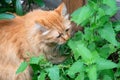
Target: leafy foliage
14,6
91,48
6,16
99,33
22,67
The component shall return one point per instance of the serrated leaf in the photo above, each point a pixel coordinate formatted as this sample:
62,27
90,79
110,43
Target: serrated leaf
74,49
22,67
75,68
19,9
106,50
112,7
34,60
4,16
81,76
92,72
42,76
103,64
82,14
53,73
79,49
107,32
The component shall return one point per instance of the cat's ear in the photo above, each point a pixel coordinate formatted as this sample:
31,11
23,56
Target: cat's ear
42,29
62,9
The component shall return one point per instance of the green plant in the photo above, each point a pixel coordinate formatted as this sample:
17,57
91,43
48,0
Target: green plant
91,47
98,40
7,7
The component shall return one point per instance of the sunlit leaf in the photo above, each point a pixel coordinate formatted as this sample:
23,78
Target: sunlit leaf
4,16
112,7
75,68
42,76
92,72
34,60
79,49
108,33
82,14
22,67
53,73
19,9
103,64
81,76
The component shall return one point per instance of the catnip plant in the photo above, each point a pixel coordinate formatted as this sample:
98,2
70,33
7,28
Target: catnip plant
90,48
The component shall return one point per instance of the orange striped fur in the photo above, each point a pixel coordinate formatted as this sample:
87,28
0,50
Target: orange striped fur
38,32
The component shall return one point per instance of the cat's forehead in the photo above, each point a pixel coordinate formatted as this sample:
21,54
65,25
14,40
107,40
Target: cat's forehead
56,21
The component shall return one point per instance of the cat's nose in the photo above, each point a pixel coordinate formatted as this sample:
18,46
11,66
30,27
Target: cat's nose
66,37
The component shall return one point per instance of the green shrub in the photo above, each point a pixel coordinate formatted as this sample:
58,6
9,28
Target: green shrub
91,48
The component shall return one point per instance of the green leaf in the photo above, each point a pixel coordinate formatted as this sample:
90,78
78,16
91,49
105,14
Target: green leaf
42,76
88,36
34,60
22,67
102,20
74,49
81,76
106,50
107,32
75,68
4,16
117,26
19,9
35,67
117,73
82,14
53,73
103,64
8,1
106,77
112,7
92,72
79,49
92,46
100,13
39,2
108,72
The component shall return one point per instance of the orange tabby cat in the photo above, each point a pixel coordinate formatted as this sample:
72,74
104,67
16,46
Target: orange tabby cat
38,32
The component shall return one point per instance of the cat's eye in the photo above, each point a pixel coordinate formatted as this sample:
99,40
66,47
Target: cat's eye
59,35
67,30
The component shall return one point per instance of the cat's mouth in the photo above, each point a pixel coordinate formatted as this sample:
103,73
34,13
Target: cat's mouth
55,43
52,44
62,49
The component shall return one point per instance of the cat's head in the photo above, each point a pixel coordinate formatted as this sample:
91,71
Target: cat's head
55,26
